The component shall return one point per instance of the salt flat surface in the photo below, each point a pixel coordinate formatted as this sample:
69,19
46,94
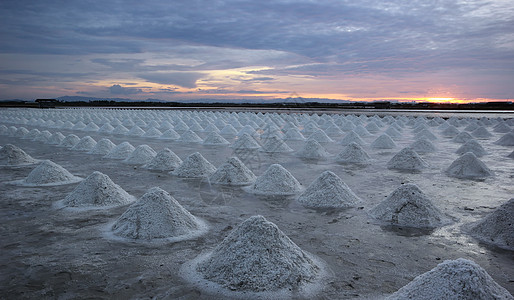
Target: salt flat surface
50,253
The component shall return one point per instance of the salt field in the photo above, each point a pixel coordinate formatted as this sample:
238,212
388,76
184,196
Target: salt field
193,204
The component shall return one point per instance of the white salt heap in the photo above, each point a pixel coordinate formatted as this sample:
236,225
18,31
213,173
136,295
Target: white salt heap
69,141
407,160
481,133
152,133
453,279
245,141
352,137
48,173
195,166
135,131
506,140
257,260
384,141
43,136
274,144
228,130
122,151
423,146
141,155
120,129
320,136
468,166
462,137
86,143
214,138
97,190
233,172
450,131
164,160
409,206
293,134
157,215
56,138
103,147
328,191
472,146
511,155
11,155
312,150
190,136
21,132
276,180
353,153
497,228
170,134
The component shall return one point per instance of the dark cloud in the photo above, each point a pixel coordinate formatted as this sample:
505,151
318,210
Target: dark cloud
183,79
117,89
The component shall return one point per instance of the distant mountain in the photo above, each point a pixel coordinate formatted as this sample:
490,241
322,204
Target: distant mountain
277,100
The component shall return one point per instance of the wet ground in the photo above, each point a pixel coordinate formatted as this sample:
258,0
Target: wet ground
49,253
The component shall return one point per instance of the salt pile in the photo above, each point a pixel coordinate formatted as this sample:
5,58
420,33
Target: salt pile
408,206
293,134
48,173
141,155
11,155
245,141
468,166
353,153
157,215
450,131
511,155
195,166
135,131
407,160
56,138
383,142
361,131
275,145
423,146
453,279
393,132
352,137
462,137
425,134
21,132
43,136
30,135
86,143
320,136
103,147
481,133
497,228
276,180
372,127
472,146
214,138
502,127
312,149
233,172
69,141
328,191
122,151
97,190
228,130
106,128
257,260
152,133
506,140
164,160
190,137
120,129
170,134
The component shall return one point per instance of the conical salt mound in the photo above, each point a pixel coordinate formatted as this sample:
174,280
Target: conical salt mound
275,145
425,134
164,160
195,166
141,155
122,151
502,127
49,173
497,228
320,136
472,146
453,279
481,133
228,130
511,155
276,181
157,215
407,160
97,190
312,149
136,131
409,206
69,141
11,155
423,146
293,134
56,138
462,137
189,137
107,128
361,131
353,153
86,143
257,260
328,191
383,142
170,134
214,138
245,141
352,137
468,166
103,147
450,131
506,140
120,129
233,172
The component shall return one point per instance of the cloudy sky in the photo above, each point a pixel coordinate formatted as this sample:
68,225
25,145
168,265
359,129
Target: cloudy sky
366,49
